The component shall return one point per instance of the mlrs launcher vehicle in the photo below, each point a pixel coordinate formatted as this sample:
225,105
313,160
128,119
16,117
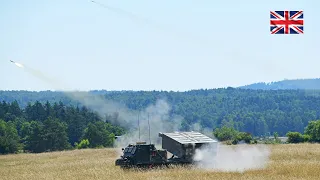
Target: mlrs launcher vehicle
182,146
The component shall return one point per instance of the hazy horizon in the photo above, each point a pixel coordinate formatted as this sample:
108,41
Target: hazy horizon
167,45
42,90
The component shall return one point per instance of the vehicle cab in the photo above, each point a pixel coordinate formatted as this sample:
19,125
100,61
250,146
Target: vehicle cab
141,154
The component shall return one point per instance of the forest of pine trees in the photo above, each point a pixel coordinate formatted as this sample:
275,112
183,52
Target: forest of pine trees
52,127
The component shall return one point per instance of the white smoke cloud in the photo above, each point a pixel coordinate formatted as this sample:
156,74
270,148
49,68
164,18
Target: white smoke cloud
236,158
159,121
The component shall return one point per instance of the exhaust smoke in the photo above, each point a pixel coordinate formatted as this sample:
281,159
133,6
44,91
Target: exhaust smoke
19,65
232,158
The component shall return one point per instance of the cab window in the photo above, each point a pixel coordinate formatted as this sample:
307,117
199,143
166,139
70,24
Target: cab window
133,150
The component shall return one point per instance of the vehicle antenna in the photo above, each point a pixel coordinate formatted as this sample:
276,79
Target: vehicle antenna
139,124
149,129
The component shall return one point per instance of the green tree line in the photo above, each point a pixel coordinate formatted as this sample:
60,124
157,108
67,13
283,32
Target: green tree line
311,134
232,136
257,112
52,127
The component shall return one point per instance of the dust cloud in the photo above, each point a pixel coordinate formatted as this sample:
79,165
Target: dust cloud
232,158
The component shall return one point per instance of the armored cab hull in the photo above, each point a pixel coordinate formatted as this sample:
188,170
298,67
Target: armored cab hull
142,155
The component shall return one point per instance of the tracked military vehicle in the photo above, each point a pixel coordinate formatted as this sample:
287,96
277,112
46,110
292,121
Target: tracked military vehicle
182,146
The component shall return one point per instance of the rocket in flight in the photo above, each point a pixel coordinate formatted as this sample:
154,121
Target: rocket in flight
17,64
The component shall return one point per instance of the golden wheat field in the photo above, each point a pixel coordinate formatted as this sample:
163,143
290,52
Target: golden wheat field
296,161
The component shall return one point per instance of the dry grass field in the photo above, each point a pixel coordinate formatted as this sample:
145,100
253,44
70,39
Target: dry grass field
292,162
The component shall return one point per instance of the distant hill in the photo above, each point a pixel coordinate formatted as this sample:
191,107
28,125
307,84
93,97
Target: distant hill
286,84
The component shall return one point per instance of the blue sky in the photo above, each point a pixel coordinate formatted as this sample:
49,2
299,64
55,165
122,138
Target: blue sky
188,44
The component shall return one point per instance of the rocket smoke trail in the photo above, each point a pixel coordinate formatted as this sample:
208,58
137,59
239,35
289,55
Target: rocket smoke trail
160,120
123,12
39,74
162,27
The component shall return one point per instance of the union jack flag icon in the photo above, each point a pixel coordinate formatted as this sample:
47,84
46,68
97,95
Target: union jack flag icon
286,22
